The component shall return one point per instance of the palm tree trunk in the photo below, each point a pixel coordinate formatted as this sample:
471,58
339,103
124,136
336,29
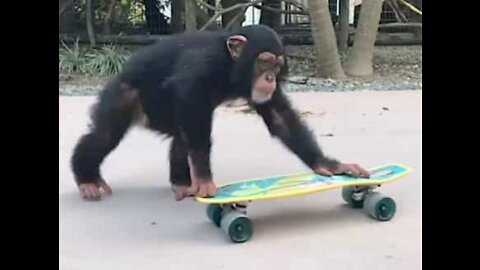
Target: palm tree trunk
325,40
359,63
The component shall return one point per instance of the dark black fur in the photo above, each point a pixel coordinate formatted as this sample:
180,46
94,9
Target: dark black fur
177,83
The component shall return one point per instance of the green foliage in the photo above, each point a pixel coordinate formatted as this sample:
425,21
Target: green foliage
72,60
106,61
137,9
125,11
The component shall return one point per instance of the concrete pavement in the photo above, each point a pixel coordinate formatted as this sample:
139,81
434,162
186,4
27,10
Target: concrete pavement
142,227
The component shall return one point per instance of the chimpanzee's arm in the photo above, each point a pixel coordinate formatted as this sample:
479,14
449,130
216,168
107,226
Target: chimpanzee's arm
283,122
193,114
195,123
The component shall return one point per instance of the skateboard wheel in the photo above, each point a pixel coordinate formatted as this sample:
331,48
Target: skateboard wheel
214,213
237,226
347,195
380,206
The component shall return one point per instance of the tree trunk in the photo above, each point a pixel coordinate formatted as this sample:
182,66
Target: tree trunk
344,25
90,18
108,17
190,18
359,63
323,34
177,7
270,18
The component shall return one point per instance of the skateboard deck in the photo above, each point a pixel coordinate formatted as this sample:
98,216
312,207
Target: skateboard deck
299,184
227,209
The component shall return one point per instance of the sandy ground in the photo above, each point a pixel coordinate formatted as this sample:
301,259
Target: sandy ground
142,227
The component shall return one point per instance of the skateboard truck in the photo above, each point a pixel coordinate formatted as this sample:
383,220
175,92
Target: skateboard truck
232,218
376,204
358,192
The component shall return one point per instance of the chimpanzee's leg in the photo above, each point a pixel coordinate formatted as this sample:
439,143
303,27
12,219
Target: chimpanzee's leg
179,169
111,118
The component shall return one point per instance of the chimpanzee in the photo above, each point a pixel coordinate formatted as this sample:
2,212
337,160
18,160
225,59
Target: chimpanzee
174,86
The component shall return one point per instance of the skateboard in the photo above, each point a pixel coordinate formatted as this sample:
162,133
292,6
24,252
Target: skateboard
227,209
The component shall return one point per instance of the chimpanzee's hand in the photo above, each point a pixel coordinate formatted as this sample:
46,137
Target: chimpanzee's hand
198,188
93,191
202,187
350,169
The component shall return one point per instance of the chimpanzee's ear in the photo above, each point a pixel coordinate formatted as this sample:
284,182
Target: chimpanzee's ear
235,45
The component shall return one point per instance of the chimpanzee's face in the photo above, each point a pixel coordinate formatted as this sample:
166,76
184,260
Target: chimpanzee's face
264,81
266,67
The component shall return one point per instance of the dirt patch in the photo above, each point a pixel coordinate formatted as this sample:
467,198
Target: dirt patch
395,68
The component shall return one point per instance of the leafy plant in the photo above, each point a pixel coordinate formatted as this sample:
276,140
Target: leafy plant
72,60
105,61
